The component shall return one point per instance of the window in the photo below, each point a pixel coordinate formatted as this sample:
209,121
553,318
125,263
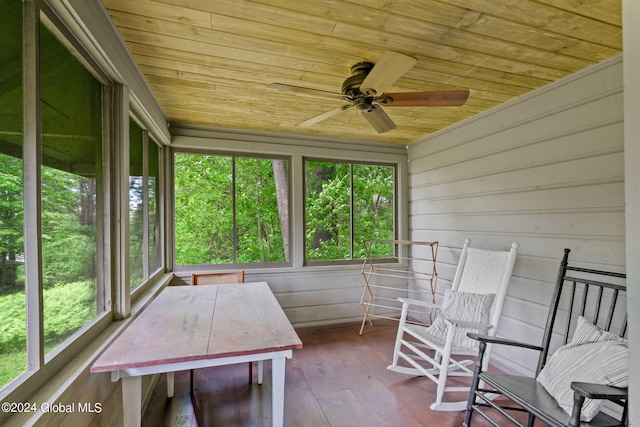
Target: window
345,204
71,105
136,205
154,243
231,210
51,243
144,180
13,320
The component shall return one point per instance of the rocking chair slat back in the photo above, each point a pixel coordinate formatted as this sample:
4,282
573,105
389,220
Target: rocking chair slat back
590,297
600,298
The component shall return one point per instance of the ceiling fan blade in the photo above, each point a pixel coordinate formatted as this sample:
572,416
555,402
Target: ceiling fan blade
379,119
387,70
445,98
306,91
324,116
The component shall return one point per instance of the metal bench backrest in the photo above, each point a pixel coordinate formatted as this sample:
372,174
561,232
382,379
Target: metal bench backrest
599,296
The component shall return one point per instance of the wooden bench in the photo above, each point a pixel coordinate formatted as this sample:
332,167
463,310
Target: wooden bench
595,295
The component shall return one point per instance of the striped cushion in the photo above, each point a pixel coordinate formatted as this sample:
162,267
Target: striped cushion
599,362
588,332
464,307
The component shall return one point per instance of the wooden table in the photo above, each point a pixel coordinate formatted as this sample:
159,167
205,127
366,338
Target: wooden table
190,327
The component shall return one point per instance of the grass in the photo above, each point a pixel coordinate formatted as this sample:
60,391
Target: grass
66,309
12,365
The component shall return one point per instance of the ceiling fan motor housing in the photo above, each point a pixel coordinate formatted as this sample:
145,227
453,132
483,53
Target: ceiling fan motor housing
359,71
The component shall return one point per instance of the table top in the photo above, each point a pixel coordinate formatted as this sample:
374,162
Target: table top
187,323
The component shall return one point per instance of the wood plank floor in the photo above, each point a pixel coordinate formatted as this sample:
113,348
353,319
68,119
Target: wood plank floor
338,379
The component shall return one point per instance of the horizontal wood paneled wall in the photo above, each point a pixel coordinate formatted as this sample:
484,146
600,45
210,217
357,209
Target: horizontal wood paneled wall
545,170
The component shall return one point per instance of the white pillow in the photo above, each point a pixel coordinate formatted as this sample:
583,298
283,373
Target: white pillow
602,361
464,307
588,332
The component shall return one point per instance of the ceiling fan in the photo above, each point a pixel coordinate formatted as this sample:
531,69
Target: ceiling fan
365,91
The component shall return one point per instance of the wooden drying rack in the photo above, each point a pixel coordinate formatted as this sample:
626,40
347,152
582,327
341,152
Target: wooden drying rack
411,273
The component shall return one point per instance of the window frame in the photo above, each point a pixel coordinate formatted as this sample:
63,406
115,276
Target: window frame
181,268
40,364
395,208
147,142
117,102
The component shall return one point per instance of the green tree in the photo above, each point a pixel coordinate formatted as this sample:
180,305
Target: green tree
203,209
328,211
257,218
11,223
229,210
68,230
346,204
373,190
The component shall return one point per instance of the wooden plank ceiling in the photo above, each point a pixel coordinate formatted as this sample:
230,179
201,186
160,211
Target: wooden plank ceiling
210,62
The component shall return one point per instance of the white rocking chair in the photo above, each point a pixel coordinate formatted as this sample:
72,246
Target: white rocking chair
474,303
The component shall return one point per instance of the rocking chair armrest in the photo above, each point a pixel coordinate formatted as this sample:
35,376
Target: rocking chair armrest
418,302
502,341
469,325
599,391
583,391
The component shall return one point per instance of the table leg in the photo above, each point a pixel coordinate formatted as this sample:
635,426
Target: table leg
277,398
132,401
170,384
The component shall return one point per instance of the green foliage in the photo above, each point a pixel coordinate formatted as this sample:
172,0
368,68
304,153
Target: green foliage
373,188
68,229
214,227
203,204
209,219
68,259
67,308
11,220
257,218
136,231
68,253
11,365
70,150
13,334
136,204
331,189
328,211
